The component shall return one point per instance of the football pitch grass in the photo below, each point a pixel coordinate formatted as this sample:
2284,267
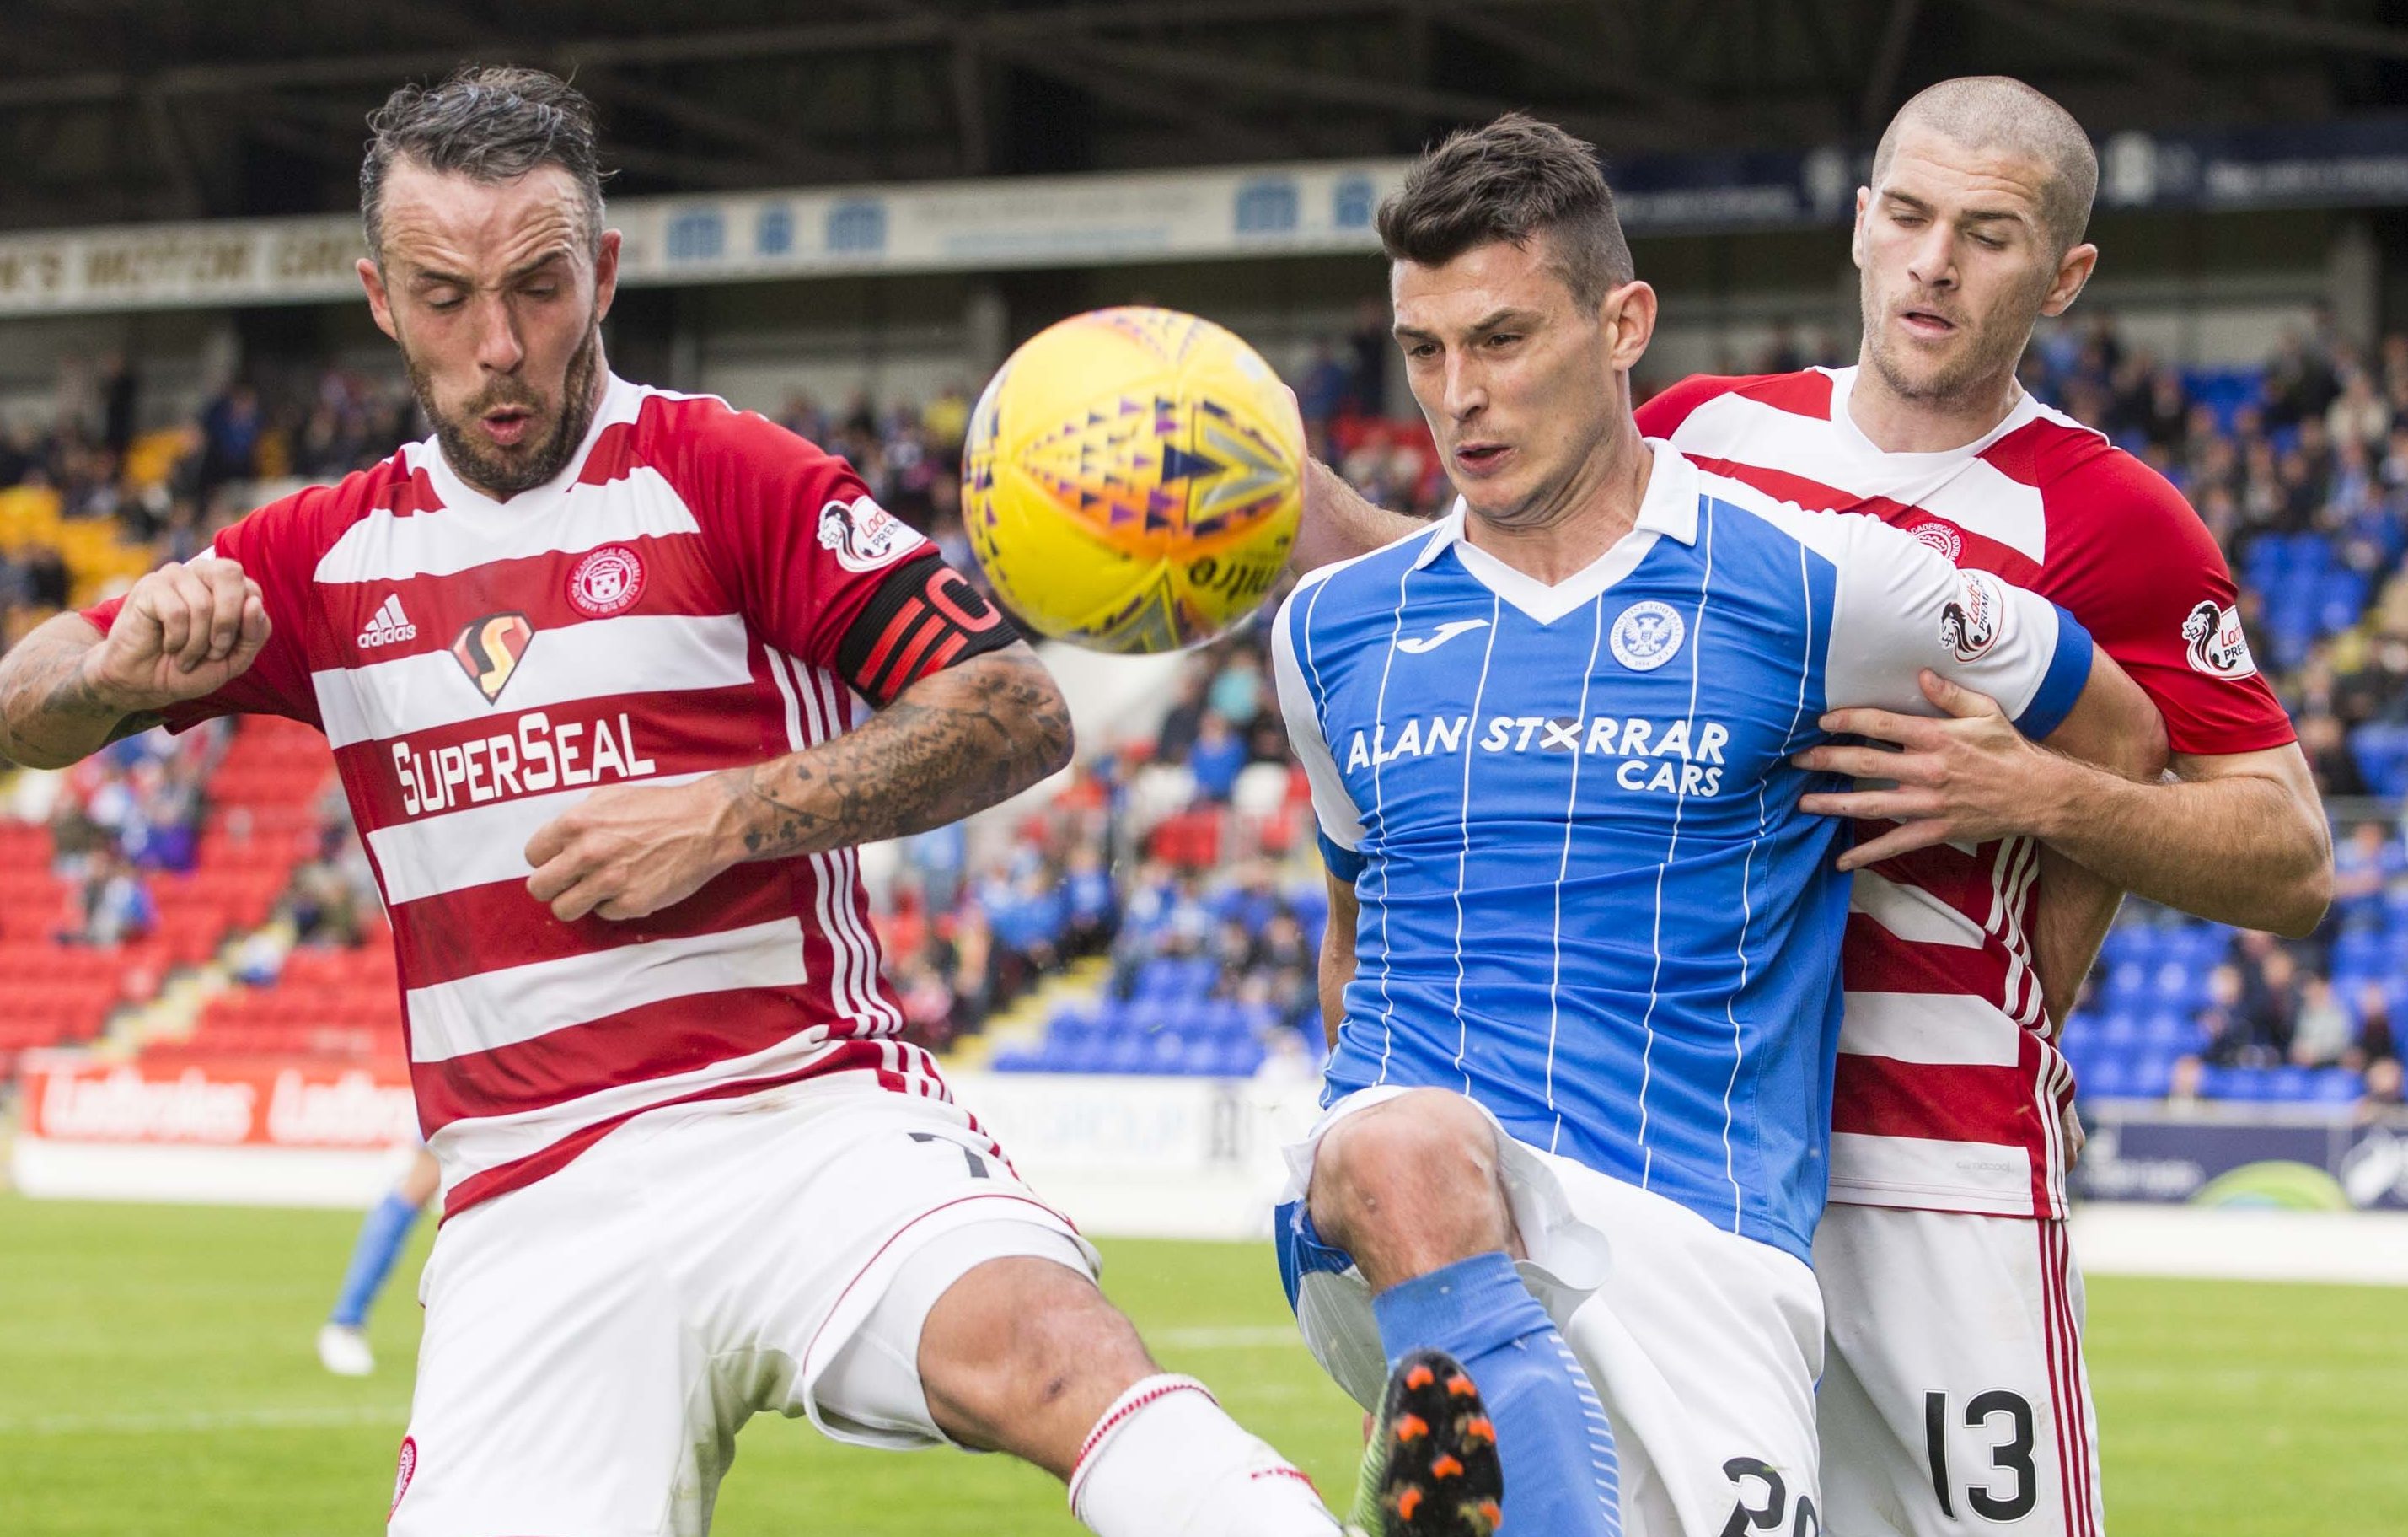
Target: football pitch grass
157,1377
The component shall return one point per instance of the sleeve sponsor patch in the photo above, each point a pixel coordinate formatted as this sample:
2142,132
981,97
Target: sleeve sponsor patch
863,536
2214,642
1971,620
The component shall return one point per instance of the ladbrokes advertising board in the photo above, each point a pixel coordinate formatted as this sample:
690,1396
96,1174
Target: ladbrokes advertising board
231,1130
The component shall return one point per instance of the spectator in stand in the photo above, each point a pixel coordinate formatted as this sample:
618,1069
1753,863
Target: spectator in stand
2299,381
1183,722
2321,1028
333,898
2358,415
115,902
2328,756
2365,863
231,427
1093,909
1326,389
2378,1048
1372,345
1217,759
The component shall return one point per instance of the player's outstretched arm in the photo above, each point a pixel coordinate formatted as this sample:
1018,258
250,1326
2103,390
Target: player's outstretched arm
1339,523
2238,839
954,742
184,632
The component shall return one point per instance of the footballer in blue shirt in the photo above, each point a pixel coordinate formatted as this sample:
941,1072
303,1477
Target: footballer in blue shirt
1582,960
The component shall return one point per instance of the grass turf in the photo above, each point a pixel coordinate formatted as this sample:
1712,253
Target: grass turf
157,1376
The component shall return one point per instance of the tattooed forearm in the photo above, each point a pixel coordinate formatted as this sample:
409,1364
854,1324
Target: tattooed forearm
953,744
50,713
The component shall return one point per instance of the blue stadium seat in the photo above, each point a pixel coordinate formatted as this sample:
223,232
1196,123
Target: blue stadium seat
2120,1028
2289,1083
2153,1075
2168,1029
1240,1058
2110,1078
2337,1086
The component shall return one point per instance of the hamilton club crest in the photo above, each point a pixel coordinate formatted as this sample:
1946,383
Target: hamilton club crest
1646,635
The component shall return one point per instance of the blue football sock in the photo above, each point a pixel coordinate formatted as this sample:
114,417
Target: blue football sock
381,1238
1556,1449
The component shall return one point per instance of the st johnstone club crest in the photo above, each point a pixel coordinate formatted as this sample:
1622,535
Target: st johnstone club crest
1646,635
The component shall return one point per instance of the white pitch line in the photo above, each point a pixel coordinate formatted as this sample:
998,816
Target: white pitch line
292,1417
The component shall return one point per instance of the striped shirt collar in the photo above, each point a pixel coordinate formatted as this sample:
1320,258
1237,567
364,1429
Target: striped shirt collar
1669,507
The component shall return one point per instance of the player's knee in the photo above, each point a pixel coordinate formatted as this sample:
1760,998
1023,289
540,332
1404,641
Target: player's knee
1018,1343
1416,1175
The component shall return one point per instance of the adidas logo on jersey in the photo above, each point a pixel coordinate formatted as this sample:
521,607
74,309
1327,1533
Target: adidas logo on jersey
389,625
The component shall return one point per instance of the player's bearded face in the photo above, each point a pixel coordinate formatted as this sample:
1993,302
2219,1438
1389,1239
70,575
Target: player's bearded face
494,294
1955,267
1515,375
555,422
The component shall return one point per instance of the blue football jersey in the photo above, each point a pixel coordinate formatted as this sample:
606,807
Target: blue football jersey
1588,897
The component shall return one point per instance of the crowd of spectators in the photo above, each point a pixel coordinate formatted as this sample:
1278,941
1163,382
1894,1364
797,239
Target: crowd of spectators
2301,469
120,817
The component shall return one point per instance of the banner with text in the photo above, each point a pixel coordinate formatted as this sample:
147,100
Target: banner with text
1190,215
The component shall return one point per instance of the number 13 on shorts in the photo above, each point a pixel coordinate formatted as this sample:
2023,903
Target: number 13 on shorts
2002,1484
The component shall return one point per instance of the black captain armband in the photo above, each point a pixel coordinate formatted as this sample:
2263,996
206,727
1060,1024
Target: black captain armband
924,617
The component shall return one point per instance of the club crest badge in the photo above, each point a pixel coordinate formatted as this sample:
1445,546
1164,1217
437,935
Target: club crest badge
606,582
488,650
403,1473
1935,534
1646,635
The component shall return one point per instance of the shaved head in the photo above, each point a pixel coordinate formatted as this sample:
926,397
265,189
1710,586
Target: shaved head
1998,113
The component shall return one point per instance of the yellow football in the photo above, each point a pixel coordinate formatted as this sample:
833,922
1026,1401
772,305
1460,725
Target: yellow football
1132,480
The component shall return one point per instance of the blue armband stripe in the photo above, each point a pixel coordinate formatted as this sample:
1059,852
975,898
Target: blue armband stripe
1345,864
2069,673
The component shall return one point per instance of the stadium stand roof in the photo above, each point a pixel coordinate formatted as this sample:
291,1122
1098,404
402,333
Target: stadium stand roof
140,109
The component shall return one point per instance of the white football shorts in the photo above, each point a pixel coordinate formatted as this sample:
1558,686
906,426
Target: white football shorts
595,1340
1704,1345
1956,1402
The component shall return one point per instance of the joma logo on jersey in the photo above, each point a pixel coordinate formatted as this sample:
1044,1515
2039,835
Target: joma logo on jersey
1688,758
533,756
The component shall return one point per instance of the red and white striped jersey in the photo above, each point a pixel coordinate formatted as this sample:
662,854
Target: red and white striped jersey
698,589
1951,1092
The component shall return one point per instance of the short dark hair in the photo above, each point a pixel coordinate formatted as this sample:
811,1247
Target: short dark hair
2000,112
491,122
1510,180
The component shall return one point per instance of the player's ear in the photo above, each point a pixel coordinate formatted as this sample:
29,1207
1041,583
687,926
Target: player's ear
1630,318
2073,270
379,302
1857,228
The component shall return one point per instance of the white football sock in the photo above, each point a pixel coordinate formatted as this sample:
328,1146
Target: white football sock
1165,1461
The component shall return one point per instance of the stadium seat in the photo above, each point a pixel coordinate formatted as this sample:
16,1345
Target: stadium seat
2337,1086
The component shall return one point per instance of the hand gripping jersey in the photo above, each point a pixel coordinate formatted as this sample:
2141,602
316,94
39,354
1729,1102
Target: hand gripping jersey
696,590
1588,898
1951,1092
